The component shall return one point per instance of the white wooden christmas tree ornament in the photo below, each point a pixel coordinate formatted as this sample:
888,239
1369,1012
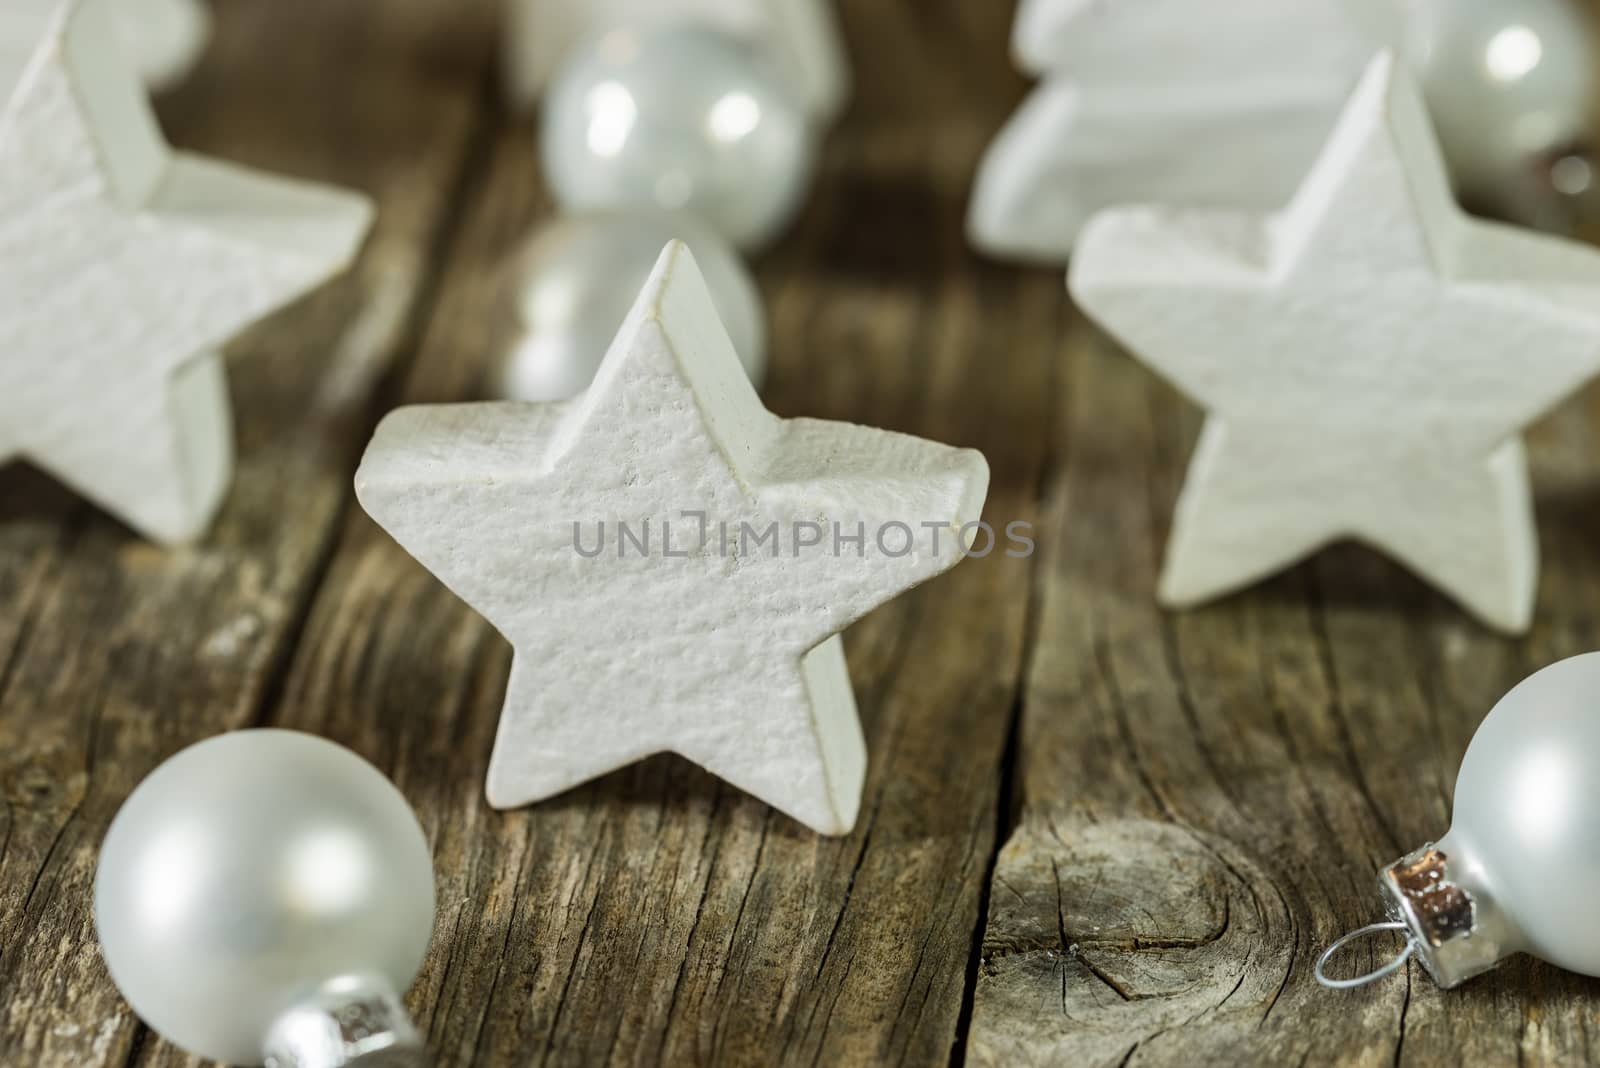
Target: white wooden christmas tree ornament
712,641
123,266
164,39
800,37
1165,101
1368,359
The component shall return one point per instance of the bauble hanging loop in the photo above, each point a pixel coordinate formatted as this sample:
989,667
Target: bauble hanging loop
1394,964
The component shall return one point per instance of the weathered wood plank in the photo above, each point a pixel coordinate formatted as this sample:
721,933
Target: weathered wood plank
657,916
1207,796
116,654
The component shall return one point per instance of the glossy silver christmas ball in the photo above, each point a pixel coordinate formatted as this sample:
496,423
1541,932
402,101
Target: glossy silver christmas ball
680,118
1510,85
251,870
572,285
1525,833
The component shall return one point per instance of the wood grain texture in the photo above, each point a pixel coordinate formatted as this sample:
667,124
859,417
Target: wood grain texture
1093,832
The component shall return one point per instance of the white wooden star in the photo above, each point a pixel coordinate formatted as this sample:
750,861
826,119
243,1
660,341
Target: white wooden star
1368,359
163,38
1166,101
23,24
123,266
801,37
723,649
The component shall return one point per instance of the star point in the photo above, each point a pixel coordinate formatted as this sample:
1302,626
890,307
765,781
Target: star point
1368,359
124,267
163,39
710,628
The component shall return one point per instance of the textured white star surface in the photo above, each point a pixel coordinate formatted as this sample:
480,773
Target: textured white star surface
163,38
1166,101
1368,359
727,654
800,37
123,266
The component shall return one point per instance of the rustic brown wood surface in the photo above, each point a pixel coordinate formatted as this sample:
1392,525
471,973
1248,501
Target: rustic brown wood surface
1093,833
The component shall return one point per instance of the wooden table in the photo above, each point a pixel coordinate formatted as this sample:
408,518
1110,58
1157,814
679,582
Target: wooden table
1094,833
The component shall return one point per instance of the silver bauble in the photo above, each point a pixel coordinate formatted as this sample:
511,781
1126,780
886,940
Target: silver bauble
1525,831
678,117
1519,870
1511,87
253,884
572,285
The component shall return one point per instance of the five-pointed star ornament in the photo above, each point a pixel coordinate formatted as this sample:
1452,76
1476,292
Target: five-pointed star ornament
1368,359
123,266
671,562
1165,101
163,38
800,38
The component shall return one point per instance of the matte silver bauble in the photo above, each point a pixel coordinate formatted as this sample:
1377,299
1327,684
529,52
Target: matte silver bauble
572,285
1510,85
1526,823
679,118
1519,870
261,891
